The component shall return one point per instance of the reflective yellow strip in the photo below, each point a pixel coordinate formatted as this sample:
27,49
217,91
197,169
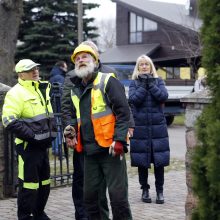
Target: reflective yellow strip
75,101
97,79
31,185
18,141
107,78
45,182
20,167
25,144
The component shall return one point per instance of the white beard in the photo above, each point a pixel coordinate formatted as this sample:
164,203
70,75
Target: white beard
85,71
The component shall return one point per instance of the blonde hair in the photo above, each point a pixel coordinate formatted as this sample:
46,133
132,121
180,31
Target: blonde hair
136,71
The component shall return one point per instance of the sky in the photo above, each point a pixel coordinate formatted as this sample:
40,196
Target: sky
107,9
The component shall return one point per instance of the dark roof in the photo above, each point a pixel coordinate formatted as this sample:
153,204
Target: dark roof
127,53
177,61
174,13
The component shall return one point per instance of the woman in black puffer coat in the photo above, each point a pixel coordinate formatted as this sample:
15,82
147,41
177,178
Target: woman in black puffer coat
150,142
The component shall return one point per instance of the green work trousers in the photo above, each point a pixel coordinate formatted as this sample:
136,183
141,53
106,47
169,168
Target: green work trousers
103,166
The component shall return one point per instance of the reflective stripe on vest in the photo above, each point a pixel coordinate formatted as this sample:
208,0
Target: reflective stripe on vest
103,119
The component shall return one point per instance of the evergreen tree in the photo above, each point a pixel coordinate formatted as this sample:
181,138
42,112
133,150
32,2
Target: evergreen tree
48,31
206,161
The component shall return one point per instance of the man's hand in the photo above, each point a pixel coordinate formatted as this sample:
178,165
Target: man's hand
70,136
116,149
69,131
70,142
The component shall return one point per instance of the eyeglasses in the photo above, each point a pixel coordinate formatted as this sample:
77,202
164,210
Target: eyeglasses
32,70
144,64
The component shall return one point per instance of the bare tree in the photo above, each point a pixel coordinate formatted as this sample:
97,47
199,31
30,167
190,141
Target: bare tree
107,34
10,17
190,43
187,42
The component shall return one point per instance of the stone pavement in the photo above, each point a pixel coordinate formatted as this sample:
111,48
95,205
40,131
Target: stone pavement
60,206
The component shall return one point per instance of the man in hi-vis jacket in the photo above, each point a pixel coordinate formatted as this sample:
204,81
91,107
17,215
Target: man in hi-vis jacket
27,113
98,116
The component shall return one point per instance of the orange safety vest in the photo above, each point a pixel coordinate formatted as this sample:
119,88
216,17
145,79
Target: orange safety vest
103,119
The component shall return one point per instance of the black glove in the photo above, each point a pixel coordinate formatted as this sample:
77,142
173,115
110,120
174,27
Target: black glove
151,80
143,80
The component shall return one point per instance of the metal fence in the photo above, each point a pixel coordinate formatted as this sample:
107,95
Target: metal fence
61,161
60,158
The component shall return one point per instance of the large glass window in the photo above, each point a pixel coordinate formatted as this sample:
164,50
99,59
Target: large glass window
133,38
139,37
149,25
132,22
138,25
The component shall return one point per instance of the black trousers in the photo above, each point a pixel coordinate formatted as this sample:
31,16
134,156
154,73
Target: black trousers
77,190
34,182
159,178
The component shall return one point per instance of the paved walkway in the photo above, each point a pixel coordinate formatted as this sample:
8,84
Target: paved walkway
60,206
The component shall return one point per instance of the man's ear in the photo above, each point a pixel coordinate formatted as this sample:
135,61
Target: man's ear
20,75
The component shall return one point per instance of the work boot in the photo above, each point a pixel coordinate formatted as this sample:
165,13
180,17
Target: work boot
145,196
41,217
160,198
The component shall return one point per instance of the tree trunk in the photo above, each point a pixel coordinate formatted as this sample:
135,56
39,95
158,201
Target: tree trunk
10,17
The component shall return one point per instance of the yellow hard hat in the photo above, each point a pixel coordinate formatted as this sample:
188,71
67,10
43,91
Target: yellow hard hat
25,65
86,49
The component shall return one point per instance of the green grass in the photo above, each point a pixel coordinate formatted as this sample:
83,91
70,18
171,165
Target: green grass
175,165
179,119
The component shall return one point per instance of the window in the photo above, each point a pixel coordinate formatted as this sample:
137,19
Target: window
139,37
132,22
149,25
138,25
173,72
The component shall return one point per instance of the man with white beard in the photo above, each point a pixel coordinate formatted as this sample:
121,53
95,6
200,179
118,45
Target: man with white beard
97,124
78,158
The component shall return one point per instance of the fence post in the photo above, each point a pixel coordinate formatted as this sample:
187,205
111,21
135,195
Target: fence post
3,90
